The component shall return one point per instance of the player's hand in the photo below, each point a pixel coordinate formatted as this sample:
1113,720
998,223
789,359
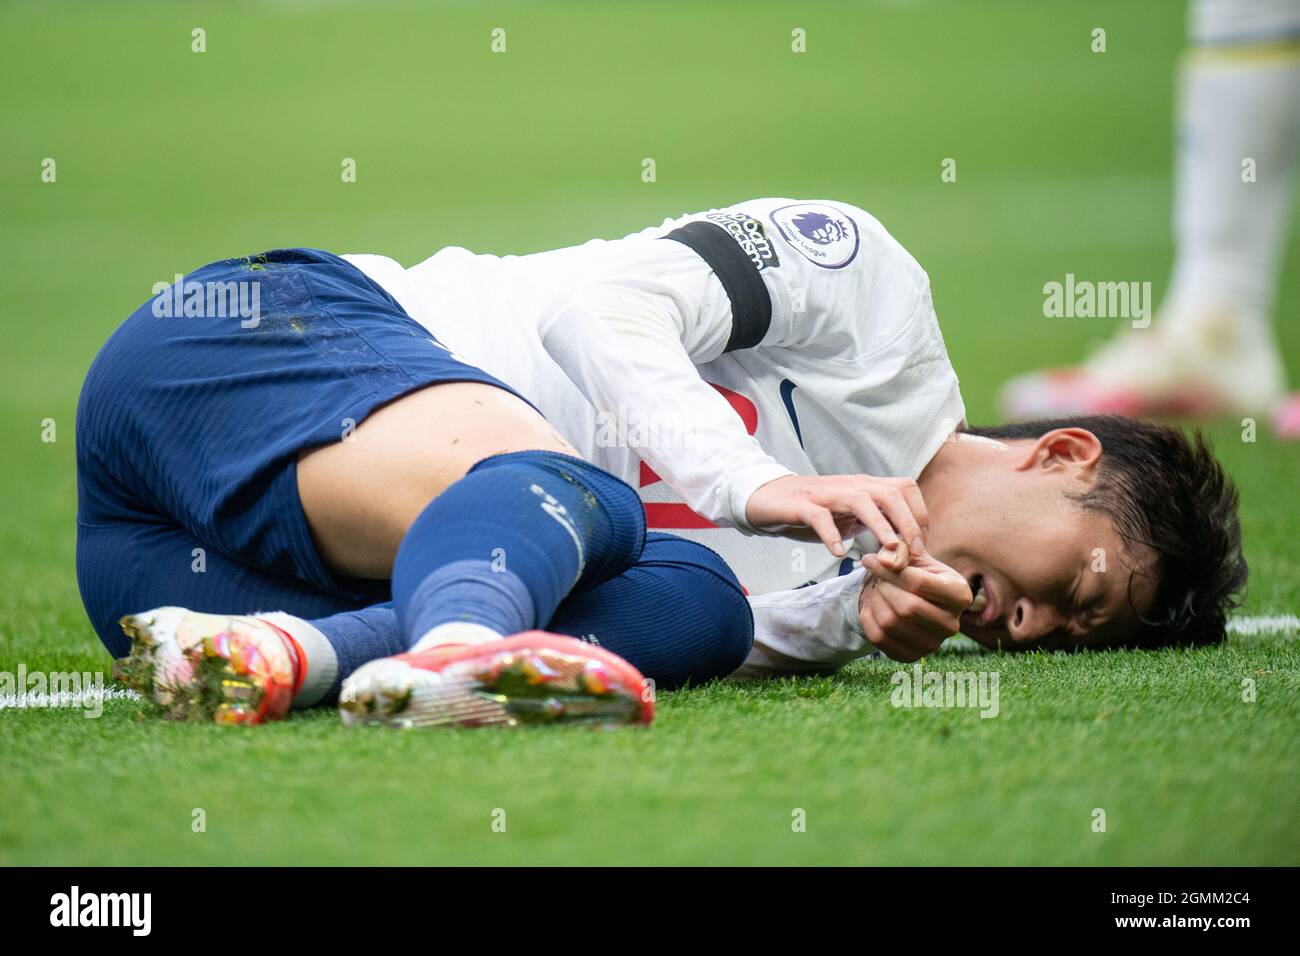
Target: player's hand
908,609
831,508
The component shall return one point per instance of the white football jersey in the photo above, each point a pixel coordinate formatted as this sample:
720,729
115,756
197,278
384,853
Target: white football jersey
704,357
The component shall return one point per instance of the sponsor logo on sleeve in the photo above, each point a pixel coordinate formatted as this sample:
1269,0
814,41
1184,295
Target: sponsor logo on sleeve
749,235
822,234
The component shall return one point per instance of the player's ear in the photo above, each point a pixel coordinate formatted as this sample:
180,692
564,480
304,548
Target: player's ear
1062,447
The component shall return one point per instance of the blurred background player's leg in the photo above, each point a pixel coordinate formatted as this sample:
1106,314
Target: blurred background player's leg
1211,348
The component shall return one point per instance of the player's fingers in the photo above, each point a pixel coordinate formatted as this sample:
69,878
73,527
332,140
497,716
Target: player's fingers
823,523
866,511
880,640
899,513
945,588
895,557
921,624
909,635
912,493
916,639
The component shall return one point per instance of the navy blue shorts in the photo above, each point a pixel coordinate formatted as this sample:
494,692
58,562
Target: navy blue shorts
195,411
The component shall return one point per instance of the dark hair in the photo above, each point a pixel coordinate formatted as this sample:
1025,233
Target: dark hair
1167,492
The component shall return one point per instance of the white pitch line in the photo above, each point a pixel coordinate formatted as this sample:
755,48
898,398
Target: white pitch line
1267,625
64,698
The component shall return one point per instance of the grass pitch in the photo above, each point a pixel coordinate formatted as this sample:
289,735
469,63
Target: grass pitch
167,159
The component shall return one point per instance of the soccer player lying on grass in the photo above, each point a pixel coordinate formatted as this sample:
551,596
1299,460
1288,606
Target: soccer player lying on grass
220,466
767,359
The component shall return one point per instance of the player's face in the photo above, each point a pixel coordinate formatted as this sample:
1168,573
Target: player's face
1045,571
1057,585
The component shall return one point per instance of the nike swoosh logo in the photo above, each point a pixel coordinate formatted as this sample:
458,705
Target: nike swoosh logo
787,397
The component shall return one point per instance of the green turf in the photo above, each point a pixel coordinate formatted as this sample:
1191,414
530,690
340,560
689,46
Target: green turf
168,159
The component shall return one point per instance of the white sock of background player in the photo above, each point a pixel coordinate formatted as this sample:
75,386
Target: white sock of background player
1239,119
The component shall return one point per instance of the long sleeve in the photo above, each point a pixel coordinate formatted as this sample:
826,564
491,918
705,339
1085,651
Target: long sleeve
812,629
630,340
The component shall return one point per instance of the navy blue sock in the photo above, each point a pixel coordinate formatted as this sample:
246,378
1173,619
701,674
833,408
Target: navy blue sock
507,543
678,615
358,637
